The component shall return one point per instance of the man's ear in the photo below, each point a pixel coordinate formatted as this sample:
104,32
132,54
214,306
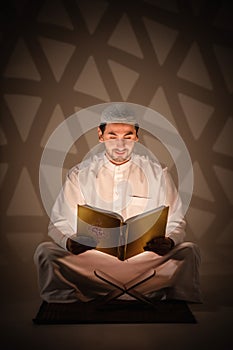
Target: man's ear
100,135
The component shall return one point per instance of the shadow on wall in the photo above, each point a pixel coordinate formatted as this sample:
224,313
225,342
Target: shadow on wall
60,57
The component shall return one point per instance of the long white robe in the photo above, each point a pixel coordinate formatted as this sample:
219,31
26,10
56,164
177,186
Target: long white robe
129,189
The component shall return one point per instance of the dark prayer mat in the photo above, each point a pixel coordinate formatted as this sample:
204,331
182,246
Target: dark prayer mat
117,311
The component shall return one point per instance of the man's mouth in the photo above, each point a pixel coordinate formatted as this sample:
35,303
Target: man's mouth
120,152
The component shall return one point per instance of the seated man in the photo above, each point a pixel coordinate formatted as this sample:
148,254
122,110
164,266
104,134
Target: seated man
122,181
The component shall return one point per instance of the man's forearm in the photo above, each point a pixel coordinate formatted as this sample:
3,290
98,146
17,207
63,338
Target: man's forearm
176,231
59,234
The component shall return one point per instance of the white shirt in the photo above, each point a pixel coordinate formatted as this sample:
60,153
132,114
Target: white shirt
129,189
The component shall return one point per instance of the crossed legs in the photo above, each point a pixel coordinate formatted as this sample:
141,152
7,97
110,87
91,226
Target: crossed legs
64,277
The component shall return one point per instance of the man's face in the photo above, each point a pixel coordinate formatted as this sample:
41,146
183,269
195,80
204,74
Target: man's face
119,141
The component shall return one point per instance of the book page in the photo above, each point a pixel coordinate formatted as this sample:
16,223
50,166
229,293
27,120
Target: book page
103,227
144,229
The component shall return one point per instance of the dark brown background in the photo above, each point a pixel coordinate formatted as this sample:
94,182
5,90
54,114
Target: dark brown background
58,57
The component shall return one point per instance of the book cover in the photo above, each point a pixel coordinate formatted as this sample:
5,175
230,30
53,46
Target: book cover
117,237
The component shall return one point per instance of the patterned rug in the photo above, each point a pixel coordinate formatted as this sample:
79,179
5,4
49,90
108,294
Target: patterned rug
117,311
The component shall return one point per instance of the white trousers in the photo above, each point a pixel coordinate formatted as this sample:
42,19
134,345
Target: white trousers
64,277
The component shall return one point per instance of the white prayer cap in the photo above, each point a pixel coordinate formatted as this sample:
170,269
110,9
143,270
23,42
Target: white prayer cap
118,113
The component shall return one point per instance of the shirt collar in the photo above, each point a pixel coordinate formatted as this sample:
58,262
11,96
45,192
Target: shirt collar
121,167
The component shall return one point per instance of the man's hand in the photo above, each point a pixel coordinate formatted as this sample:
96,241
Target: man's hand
77,248
160,245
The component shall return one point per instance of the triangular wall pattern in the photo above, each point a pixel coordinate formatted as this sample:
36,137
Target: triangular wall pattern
23,109
56,119
125,78
197,114
124,38
201,188
24,192
58,55
90,81
21,64
162,38
199,221
223,143
92,12
160,104
194,69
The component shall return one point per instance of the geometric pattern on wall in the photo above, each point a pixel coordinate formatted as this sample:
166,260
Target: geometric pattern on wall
58,57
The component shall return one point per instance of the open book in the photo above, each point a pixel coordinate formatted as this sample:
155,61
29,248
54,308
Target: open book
117,237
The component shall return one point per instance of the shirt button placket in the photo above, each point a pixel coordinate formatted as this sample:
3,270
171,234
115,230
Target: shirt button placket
118,177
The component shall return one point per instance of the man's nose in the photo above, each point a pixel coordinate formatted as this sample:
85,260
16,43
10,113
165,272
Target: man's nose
120,142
